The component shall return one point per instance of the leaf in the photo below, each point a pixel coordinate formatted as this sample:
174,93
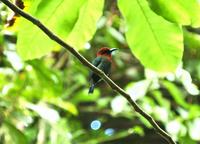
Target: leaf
185,12
75,21
163,102
15,135
194,112
65,105
157,43
138,130
1,37
191,40
176,94
70,107
85,26
59,16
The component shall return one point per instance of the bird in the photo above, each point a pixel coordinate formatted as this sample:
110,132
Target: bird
103,61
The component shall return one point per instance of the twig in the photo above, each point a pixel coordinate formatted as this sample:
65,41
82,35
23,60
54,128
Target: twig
90,66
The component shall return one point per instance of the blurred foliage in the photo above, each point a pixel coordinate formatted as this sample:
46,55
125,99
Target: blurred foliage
45,101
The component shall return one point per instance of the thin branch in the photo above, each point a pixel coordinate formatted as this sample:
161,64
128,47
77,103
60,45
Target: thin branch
91,67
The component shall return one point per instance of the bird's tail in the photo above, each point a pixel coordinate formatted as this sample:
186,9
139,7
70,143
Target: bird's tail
91,89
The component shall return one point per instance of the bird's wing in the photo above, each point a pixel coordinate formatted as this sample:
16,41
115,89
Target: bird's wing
97,61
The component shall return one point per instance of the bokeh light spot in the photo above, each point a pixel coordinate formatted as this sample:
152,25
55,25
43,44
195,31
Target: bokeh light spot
109,131
95,125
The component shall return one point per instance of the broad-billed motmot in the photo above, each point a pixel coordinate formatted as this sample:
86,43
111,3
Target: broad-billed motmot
103,61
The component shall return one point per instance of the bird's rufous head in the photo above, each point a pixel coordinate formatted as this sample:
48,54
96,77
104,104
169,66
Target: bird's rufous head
104,51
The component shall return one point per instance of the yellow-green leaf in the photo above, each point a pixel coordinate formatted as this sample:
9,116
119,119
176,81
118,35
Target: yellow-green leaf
73,21
185,12
85,26
157,43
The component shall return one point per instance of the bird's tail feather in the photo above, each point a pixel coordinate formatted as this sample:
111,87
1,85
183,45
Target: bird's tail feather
91,89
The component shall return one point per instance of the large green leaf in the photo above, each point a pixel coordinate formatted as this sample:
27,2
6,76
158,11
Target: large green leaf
85,26
185,12
72,20
157,43
59,16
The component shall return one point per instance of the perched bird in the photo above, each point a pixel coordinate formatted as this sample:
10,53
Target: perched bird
103,62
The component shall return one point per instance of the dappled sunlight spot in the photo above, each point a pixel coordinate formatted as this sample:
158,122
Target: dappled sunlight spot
147,107
24,122
118,104
69,135
194,129
95,125
55,79
101,22
138,89
116,34
7,71
161,113
29,68
186,79
51,115
3,13
6,88
192,89
152,74
28,120
174,127
109,131
130,130
170,77
184,113
14,59
179,71
87,45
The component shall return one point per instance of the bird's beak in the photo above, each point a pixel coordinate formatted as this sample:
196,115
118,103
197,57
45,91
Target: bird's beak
113,49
